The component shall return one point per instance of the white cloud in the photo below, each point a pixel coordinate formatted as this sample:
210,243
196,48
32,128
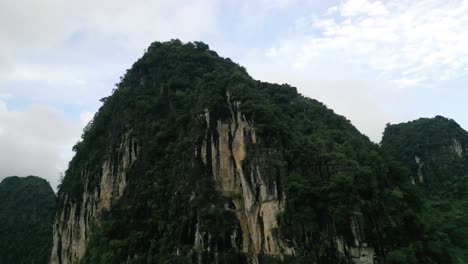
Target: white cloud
270,4
35,141
51,76
69,54
56,85
352,8
143,21
34,23
46,20
407,82
369,104
6,96
398,39
43,67
39,24
361,57
74,51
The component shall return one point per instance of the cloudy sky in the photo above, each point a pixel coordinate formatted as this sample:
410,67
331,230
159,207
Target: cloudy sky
375,62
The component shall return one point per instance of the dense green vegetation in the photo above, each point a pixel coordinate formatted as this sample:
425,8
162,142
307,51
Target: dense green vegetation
432,140
444,192
329,171
27,209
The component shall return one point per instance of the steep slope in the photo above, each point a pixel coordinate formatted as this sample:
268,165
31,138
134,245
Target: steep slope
190,160
436,150
27,207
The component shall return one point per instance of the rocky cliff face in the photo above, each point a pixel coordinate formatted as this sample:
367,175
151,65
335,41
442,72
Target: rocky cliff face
74,222
255,198
230,148
457,147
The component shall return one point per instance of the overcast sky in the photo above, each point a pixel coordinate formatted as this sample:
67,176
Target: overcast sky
375,62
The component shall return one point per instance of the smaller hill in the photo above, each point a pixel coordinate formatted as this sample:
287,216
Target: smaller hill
436,151
27,208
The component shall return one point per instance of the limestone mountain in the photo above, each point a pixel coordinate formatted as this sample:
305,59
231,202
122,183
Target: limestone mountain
436,151
27,209
190,160
433,148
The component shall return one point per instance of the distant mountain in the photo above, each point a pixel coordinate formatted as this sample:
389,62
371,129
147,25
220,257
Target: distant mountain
436,151
27,207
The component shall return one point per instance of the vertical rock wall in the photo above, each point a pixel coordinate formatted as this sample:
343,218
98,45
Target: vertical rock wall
359,251
420,165
253,197
457,147
72,224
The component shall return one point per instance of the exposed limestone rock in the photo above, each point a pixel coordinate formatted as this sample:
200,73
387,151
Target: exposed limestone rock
355,254
72,226
420,164
412,180
255,199
362,255
457,147
359,252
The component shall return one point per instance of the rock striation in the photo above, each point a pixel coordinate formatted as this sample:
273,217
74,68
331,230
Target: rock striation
73,223
255,199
